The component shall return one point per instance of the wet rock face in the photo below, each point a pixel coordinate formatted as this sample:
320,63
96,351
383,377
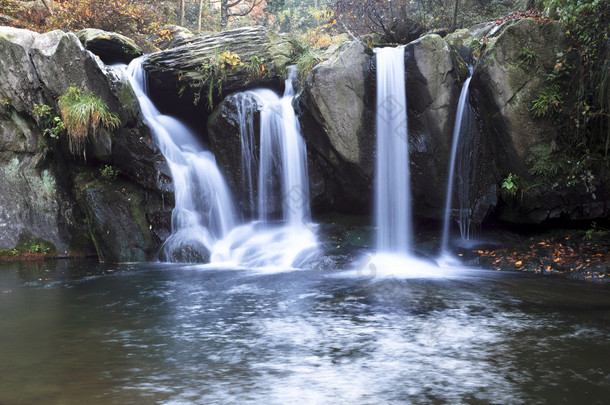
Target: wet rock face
509,77
38,172
511,74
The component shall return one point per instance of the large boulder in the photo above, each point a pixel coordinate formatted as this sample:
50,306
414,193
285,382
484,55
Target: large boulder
511,74
109,46
37,69
180,71
338,122
119,218
509,77
434,78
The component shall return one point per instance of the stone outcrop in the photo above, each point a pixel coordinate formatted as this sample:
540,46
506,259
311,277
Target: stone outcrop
109,46
40,171
511,74
180,70
338,124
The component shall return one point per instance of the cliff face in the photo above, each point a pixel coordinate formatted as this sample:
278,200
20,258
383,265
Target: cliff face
43,191
117,202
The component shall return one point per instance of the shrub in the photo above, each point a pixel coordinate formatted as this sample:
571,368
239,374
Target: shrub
84,116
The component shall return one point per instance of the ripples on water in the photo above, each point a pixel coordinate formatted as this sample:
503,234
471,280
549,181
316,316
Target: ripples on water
187,334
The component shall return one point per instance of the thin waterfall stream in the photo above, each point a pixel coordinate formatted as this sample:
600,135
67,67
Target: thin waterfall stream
459,127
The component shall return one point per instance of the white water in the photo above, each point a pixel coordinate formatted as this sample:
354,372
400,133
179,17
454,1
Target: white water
204,210
283,236
392,180
464,182
205,218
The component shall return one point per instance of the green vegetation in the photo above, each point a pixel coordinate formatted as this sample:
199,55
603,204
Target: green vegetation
308,60
576,100
509,185
51,122
84,115
595,232
213,72
109,174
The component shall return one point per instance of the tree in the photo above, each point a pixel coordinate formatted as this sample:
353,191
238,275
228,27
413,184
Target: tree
236,8
182,8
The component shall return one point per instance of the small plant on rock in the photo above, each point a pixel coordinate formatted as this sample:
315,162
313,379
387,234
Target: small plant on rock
108,173
85,115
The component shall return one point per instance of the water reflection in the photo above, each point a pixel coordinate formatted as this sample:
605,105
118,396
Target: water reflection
177,335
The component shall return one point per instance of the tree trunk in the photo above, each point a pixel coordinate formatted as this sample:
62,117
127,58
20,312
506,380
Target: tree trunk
182,7
224,13
199,16
455,10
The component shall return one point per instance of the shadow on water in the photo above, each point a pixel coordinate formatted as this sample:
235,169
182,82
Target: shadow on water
187,334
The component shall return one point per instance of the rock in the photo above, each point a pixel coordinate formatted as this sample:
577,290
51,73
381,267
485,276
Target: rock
338,123
226,143
35,205
117,218
509,77
109,46
433,80
172,36
460,41
40,172
178,71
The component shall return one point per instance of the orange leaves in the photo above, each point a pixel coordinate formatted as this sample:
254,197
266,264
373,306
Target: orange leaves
567,255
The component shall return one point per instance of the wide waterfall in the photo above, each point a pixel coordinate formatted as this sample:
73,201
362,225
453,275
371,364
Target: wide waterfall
392,181
204,209
205,219
462,132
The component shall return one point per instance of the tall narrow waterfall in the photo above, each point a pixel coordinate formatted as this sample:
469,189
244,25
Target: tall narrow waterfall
461,173
392,180
204,209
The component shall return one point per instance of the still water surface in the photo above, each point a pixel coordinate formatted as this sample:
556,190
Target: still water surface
167,334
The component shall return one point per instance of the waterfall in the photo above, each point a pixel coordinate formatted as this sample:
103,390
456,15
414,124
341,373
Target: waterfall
204,219
283,236
392,179
204,209
462,131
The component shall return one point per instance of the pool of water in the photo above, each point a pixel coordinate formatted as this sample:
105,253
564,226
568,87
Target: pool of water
83,333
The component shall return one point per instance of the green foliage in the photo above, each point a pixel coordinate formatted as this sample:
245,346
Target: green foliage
256,68
526,57
547,102
595,232
509,185
307,60
213,72
109,174
51,122
84,115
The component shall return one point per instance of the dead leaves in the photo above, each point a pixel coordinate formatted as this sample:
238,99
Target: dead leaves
559,256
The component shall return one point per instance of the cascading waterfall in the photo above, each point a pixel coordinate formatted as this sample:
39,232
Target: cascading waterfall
283,235
204,209
462,132
392,180
205,218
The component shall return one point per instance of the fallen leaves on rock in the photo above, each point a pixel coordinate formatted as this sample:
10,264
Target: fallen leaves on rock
589,260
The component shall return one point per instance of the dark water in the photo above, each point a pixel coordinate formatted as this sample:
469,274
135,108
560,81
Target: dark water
163,334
